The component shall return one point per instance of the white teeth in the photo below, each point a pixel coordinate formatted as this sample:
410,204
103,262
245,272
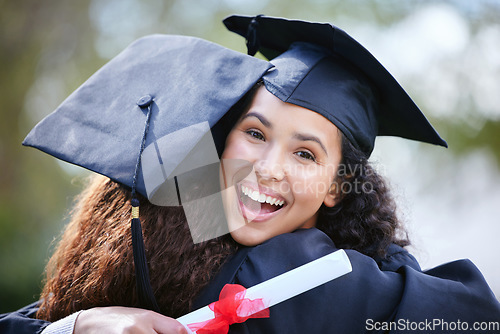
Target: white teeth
255,195
261,198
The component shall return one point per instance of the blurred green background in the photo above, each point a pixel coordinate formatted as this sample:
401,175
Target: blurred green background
445,53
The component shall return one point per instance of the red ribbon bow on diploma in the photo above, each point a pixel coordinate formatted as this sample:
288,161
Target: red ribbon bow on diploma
232,307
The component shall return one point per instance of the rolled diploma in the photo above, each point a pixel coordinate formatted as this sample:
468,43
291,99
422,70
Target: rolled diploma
286,285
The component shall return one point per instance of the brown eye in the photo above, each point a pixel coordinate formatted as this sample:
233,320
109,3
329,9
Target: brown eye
256,134
305,155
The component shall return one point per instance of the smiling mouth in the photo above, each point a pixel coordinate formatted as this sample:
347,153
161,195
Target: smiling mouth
257,206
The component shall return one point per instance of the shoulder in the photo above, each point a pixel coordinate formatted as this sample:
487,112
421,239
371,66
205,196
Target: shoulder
283,253
253,265
290,250
273,257
396,258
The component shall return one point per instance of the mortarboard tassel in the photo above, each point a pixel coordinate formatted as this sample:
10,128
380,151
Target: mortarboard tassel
143,284
144,290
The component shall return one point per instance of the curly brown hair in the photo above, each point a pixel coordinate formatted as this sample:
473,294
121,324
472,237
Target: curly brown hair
365,217
93,263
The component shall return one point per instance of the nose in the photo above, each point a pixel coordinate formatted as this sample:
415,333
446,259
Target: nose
270,166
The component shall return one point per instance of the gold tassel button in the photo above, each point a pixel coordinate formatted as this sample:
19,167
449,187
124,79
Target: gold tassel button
135,212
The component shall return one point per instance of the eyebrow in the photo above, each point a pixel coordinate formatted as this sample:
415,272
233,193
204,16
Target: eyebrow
306,137
260,117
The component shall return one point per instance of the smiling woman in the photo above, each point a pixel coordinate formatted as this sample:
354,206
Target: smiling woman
294,136
295,153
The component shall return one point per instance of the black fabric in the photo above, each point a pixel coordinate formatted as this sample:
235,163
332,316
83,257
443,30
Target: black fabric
143,283
190,81
395,115
391,289
22,321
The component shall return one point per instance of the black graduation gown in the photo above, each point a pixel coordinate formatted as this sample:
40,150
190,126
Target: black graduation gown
22,322
377,296
378,293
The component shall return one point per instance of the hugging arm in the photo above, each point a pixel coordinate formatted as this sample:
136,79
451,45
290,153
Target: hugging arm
112,319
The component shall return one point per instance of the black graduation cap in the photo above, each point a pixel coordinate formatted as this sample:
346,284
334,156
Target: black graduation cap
144,120
185,81
320,67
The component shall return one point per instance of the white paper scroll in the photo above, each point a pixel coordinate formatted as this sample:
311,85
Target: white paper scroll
287,285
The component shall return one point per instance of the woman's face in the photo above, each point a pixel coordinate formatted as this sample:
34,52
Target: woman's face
294,153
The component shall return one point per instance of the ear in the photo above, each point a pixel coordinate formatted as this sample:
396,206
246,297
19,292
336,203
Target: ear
333,196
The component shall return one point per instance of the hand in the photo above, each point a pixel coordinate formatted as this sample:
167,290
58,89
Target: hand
117,319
